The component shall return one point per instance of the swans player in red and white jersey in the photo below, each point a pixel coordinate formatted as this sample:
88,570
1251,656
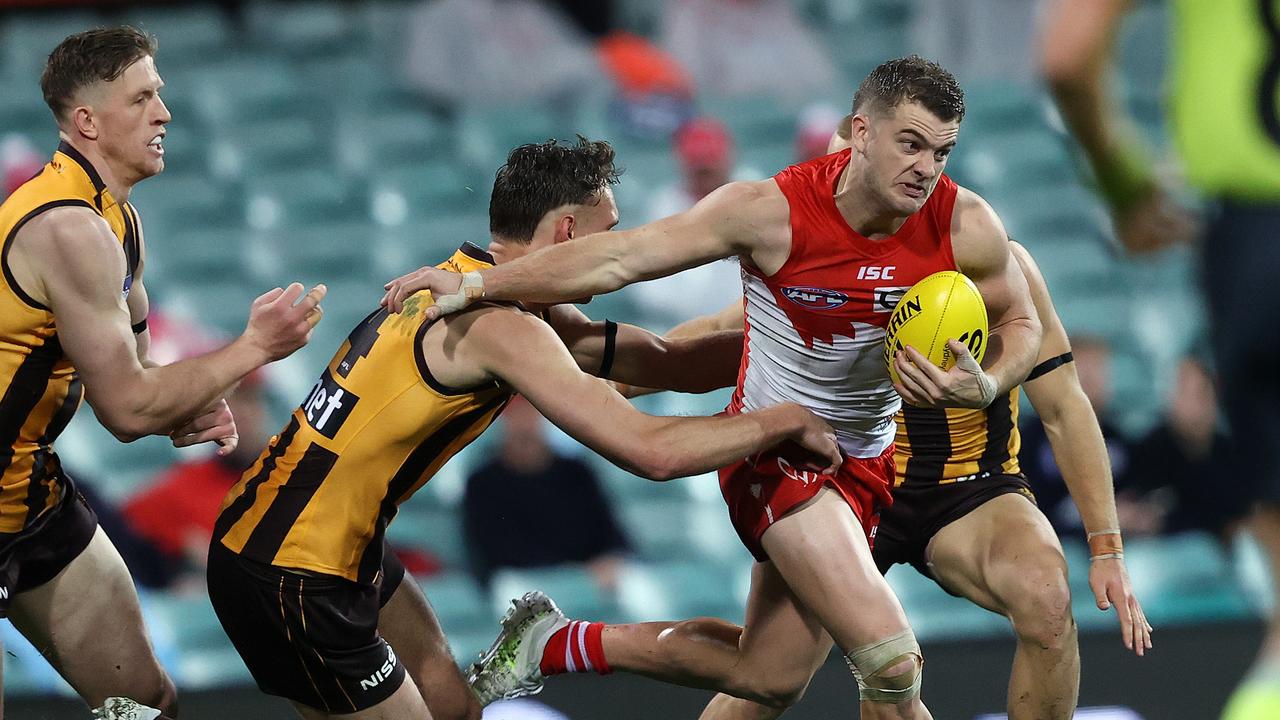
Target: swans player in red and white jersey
825,248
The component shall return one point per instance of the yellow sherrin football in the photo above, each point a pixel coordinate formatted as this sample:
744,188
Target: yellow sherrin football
942,306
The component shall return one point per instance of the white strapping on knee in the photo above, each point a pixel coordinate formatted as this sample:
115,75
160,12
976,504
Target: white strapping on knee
867,661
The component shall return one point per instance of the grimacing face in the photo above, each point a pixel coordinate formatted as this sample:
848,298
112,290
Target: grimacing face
906,149
130,117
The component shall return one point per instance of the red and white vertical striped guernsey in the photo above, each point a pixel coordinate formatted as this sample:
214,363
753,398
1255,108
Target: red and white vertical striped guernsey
815,329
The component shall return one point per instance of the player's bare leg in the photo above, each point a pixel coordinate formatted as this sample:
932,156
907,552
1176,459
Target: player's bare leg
1005,557
409,625
86,621
771,660
702,652
405,703
821,551
824,550
777,623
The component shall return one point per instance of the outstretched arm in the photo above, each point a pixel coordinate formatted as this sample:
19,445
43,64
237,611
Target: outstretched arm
501,343
1081,454
1076,45
79,271
634,356
738,219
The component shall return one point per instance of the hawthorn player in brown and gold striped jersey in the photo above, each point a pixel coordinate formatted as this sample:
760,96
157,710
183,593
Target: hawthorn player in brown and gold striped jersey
73,321
298,570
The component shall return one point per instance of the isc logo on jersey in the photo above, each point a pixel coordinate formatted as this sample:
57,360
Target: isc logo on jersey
815,298
328,405
942,306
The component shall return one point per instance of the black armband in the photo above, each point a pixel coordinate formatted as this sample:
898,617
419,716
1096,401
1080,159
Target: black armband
140,327
1049,365
610,343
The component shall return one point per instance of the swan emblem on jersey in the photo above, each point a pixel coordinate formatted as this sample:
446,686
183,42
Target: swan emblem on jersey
808,477
815,298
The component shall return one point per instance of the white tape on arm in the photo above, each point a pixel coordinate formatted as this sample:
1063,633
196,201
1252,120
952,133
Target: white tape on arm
472,289
986,383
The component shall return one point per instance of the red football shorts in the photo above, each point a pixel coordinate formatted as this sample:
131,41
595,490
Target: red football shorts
761,489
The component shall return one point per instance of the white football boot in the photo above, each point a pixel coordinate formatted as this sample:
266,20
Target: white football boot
510,669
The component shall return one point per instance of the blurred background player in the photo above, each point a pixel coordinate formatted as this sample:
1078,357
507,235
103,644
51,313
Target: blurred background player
1226,121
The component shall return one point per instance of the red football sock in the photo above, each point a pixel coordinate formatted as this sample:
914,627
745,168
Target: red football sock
576,647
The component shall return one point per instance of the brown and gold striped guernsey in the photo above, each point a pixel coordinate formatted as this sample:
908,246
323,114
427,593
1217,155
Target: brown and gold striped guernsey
956,444
374,428
39,389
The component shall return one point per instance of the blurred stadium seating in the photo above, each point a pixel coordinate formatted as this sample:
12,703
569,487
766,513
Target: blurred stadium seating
294,154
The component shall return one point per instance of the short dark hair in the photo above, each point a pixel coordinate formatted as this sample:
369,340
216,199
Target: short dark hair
911,79
99,55
540,177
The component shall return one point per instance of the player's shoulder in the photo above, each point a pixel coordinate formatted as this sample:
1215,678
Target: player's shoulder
744,195
978,238
745,208
494,322
68,229
973,214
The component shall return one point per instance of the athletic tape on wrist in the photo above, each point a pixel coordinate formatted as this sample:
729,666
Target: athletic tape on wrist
471,289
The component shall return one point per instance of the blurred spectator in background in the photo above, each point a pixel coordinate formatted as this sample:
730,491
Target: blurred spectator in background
1093,366
748,47
593,17
980,41
19,162
1183,460
497,52
528,493
813,130
704,149
654,93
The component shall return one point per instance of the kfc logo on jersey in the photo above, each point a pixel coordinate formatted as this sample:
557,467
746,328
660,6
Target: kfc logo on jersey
815,298
328,405
885,299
